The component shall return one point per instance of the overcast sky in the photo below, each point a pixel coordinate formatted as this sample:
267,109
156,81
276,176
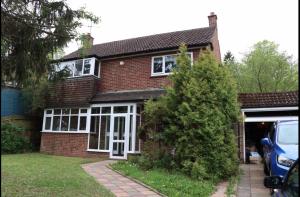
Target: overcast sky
241,23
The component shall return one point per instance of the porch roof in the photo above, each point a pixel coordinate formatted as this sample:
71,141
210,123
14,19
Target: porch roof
247,100
130,95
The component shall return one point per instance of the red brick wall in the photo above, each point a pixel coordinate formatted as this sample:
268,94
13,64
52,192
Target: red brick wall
73,92
216,46
67,144
134,74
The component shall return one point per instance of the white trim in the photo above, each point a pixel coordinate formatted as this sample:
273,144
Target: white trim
73,132
270,118
269,109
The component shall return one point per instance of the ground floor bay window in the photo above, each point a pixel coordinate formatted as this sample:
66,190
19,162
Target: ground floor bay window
111,128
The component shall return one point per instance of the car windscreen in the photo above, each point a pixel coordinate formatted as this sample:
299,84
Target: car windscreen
288,134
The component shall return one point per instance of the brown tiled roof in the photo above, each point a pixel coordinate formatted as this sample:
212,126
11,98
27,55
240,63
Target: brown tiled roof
278,99
122,96
172,40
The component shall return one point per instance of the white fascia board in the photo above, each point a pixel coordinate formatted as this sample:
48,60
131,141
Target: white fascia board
270,119
270,109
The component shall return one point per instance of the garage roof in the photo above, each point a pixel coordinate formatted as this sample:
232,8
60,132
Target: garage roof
271,99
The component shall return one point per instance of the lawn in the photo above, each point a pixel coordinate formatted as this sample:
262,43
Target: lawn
45,175
169,183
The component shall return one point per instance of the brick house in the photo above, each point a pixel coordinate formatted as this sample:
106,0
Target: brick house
96,111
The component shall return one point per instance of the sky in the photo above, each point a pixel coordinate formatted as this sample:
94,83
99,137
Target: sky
241,23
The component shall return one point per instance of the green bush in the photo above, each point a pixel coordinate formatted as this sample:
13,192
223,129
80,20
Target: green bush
145,162
196,117
13,139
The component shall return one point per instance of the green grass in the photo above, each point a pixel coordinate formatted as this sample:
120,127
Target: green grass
169,183
45,175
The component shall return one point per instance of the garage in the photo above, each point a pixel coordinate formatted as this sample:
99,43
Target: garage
259,112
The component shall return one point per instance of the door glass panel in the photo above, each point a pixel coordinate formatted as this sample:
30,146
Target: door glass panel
118,149
104,132
119,128
130,132
94,132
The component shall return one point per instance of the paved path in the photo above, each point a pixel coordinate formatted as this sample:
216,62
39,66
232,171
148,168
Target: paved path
116,183
252,182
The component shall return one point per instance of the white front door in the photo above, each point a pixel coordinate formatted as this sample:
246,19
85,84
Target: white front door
119,136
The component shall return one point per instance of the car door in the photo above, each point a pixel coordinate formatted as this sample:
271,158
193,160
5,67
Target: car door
268,149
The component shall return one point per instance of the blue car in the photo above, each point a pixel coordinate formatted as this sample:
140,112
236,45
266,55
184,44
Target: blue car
280,147
287,186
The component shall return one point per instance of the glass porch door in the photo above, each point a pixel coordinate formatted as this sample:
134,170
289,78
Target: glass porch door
119,137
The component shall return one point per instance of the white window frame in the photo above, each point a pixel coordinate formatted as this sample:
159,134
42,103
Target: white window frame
61,65
163,73
69,115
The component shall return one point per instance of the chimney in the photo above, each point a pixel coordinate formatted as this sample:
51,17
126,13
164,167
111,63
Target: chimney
88,39
212,20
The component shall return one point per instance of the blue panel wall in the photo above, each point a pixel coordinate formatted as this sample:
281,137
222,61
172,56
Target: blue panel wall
11,102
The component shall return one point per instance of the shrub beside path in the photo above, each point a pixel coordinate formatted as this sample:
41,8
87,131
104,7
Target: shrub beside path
119,185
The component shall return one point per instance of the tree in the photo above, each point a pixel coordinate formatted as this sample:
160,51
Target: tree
196,116
32,30
265,69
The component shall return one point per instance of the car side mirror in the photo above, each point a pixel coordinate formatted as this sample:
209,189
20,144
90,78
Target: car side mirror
265,141
273,182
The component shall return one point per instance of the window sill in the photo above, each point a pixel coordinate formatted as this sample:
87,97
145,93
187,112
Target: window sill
95,150
71,132
160,75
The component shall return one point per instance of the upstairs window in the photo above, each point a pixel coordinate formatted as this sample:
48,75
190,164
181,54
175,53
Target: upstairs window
81,67
163,65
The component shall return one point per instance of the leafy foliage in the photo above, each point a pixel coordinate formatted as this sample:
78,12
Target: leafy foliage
197,114
264,69
13,139
32,31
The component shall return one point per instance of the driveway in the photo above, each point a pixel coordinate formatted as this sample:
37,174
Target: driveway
252,181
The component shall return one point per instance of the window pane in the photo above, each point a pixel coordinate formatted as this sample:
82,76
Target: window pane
170,63
74,111
56,122
120,109
104,132
94,132
57,111
82,125
106,110
49,111
73,123
78,68
65,123
48,123
97,68
66,111
95,110
87,66
69,69
83,111
157,65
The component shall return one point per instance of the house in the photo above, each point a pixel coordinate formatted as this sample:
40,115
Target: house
96,111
